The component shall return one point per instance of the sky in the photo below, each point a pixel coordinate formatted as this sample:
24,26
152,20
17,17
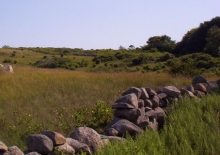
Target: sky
99,24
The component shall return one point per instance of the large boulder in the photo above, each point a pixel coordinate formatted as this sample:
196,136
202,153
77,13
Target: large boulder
134,90
39,143
148,103
199,79
200,87
199,93
3,147
122,106
88,136
144,94
186,92
8,68
155,101
65,148
129,99
171,91
140,103
213,86
31,153
129,114
151,92
190,88
77,146
111,132
57,138
13,150
124,127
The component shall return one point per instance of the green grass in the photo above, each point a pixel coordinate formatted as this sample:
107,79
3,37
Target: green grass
34,99
192,129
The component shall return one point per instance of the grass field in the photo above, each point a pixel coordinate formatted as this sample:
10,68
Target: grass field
35,99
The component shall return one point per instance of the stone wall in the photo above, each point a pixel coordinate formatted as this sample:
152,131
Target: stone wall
136,110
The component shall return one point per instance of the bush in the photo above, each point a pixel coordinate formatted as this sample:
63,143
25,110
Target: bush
7,61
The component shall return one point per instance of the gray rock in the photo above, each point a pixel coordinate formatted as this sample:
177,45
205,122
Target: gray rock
190,88
199,79
134,90
13,150
122,106
8,68
88,136
56,138
3,147
142,121
200,87
31,153
151,92
155,101
171,91
129,114
186,92
111,132
140,103
213,86
39,143
112,138
129,99
124,126
199,93
161,116
144,94
65,148
148,103
162,95
163,103
77,146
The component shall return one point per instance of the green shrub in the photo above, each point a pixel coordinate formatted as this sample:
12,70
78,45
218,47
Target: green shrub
7,61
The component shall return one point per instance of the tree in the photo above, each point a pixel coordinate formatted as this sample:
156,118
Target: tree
5,46
161,43
121,47
131,47
213,41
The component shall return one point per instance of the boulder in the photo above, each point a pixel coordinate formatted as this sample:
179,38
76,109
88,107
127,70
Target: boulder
171,91
65,148
129,114
56,138
148,103
213,86
31,153
144,94
111,132
124,126
190,88
39,143
161,116
200,87
3,147
142,121
199,93
134,90
77,146
162,95
198,79
186,92
8,68
163,103
88,136
122,106
140,103
13,150
129,99
151,92
155,101
112,138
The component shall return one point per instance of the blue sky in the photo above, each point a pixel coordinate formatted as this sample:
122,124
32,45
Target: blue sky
98,24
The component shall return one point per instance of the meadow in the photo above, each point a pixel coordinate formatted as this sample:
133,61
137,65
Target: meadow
35,99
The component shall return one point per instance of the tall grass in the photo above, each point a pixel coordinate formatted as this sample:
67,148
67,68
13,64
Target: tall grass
33,99
192,129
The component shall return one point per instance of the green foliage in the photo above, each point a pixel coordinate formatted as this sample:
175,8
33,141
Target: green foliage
142,59
213,41
122,55
103,58
196,39
7,61
161,43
